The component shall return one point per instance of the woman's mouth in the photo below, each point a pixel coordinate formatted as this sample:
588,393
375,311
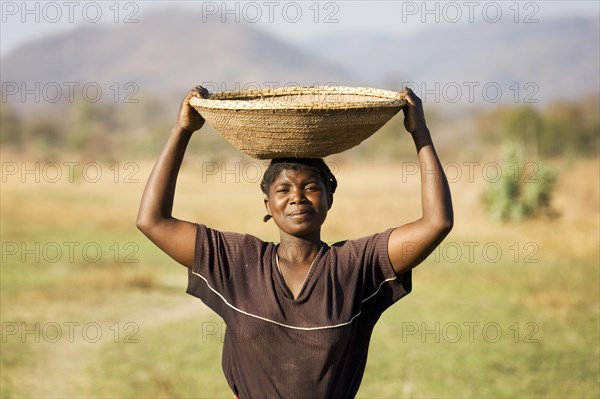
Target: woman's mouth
301,212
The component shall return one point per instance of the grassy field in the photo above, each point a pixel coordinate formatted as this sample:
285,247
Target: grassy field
90,308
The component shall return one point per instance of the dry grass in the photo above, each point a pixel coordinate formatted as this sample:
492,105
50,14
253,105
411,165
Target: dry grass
372,196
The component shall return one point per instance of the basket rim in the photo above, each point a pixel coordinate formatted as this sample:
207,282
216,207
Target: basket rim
228,100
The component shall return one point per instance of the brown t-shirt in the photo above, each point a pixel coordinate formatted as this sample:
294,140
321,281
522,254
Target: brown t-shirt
314,346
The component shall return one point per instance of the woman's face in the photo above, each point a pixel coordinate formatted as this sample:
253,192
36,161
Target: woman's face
298,202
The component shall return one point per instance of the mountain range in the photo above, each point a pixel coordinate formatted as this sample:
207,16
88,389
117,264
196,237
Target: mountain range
543,61
169,51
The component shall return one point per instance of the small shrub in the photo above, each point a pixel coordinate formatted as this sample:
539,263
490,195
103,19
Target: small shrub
518,196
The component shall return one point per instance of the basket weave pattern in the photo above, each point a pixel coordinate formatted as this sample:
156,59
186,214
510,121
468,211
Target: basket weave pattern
311,121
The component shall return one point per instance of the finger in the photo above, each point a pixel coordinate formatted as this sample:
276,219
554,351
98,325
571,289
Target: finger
409,95
200,91
196,90
205,93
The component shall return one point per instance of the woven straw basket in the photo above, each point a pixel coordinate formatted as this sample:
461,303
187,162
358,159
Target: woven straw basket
311,121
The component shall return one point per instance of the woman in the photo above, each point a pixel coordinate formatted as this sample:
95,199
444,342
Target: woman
300,313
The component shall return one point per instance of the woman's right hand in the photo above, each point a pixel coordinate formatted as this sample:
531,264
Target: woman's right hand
155,217
188,118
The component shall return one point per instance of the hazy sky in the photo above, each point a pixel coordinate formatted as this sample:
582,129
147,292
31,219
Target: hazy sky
296,21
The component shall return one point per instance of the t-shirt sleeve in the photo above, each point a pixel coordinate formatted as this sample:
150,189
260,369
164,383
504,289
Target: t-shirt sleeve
215,257
377,285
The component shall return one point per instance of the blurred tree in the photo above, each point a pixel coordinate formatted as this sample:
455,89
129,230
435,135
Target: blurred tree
524,124
562,128
46,133
82,116
521,124
572,128
11,127
523,194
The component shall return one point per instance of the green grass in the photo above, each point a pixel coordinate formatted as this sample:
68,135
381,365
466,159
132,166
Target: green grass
547,312
174,360
540,352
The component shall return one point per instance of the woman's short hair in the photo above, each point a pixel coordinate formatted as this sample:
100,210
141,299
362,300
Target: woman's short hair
315,165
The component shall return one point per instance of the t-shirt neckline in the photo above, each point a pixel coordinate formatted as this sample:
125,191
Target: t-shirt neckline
311,271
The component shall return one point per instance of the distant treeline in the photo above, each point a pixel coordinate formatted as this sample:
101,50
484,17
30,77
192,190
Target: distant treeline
105,130
562,128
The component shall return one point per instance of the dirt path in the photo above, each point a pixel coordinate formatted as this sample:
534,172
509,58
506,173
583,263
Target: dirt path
62,371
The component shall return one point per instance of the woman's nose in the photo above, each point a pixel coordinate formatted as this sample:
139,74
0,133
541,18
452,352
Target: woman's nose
297,197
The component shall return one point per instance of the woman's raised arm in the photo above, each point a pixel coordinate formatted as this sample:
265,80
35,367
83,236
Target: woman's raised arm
175,237
410,244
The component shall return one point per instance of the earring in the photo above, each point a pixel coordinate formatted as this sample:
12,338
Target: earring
266,218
